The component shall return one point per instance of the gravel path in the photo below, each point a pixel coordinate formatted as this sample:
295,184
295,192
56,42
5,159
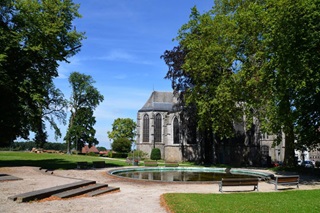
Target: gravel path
133,197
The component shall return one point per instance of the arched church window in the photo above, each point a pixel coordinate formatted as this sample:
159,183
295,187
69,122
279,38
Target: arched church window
157,128
176,133
145,128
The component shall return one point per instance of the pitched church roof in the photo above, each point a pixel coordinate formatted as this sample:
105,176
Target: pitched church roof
160,101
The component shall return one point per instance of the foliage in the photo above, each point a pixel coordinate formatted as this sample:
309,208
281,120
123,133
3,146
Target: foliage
34,37
54,108
119,155
138,153
123,128
92,154
252,59
110,154
155,154
28,145
101,148
84,99
122,145
50,161
288,201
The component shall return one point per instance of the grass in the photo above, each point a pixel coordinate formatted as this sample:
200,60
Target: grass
51,161
286,201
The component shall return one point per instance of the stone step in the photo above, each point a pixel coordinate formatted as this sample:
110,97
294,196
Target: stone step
79,191
5,177
102,191
44,193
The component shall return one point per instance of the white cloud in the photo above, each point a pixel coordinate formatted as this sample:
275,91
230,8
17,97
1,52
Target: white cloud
123,56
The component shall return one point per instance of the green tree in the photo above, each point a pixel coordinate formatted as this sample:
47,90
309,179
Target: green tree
257,59
203,75
122,145
84,99
123,128
293,40
101,148
54,108
34,37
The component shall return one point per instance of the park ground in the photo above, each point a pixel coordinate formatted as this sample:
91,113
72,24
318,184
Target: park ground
134,196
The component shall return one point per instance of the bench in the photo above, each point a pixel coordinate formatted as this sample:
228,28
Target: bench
99,164
285,180
150,163
239,182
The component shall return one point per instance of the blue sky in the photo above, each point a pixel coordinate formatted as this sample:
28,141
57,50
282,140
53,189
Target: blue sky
125,39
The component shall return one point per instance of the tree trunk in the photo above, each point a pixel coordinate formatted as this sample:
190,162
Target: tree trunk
288,129
289,147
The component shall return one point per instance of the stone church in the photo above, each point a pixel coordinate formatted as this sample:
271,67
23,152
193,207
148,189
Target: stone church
159,126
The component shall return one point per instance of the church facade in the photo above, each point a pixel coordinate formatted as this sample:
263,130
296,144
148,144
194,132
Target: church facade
159,126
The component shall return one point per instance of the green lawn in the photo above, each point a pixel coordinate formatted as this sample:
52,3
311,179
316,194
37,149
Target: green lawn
286,201
51,161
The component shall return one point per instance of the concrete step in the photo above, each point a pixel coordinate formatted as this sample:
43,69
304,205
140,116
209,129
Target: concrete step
79,191
102,191
44,193
5,177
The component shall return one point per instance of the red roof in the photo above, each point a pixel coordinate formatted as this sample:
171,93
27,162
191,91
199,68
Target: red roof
86,149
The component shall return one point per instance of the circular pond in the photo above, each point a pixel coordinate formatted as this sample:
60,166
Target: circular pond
184,174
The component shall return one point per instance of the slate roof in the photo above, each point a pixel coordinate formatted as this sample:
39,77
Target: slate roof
160,101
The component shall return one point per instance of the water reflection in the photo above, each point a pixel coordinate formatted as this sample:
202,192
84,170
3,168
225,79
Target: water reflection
178,175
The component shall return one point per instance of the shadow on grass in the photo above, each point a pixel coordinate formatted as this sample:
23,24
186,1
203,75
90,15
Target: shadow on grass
51,164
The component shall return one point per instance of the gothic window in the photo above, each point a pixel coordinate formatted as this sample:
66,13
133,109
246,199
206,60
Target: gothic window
145,128
157,128
265,150
176,135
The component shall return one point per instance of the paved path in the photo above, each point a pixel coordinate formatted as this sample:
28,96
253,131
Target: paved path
134,196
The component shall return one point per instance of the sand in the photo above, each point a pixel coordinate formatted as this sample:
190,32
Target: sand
134,196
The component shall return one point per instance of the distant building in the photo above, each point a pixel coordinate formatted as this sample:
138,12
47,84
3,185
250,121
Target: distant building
86,149
158,127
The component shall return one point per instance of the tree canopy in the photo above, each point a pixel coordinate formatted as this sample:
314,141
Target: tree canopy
123,128
34,37
256,60
122,145
84,100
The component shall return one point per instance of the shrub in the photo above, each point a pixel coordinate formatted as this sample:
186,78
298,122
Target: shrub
137,153
122,145
119,155
92,154
110,154
317,164
155,154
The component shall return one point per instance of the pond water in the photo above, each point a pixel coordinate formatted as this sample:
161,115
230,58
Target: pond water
180,174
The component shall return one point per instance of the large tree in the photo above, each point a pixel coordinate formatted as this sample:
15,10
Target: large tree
84,100
123,128
34,37
200,69
257,60
54,108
